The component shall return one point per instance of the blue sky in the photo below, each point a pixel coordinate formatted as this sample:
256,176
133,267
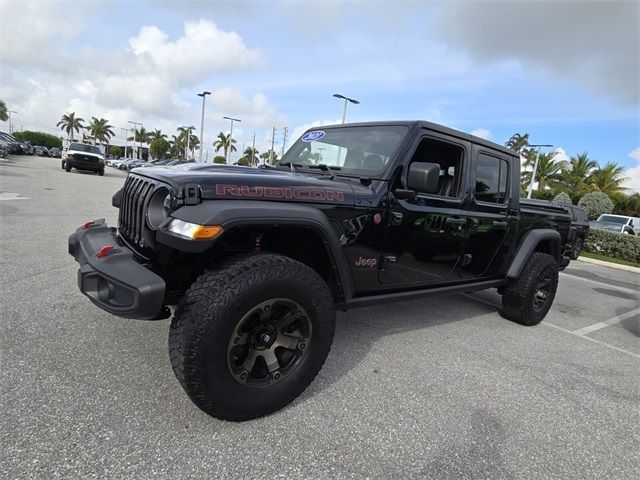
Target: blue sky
565,72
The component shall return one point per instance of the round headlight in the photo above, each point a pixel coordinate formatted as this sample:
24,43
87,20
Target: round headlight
158,208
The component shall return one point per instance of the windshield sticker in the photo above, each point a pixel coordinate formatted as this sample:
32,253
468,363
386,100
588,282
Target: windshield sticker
313,136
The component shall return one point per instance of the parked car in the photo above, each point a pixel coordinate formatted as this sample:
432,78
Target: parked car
579,222
55,152
130,163
41,151
259,260
4,149
633,222
613,227
15,145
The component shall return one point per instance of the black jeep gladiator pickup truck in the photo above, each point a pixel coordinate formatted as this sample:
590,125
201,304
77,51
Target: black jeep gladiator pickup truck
257,260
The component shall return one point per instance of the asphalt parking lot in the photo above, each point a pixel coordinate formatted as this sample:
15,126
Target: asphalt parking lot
439,388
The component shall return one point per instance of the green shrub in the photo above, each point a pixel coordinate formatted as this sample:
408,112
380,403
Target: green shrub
219,159
562,199
617,245
39,138
243,161
596,204
115,151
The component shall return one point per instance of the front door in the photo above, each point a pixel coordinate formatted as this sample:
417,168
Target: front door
425,235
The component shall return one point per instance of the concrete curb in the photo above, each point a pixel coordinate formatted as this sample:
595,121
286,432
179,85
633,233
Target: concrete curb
609,264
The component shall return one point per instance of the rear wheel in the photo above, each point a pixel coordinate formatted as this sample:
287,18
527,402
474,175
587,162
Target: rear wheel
577,249
101,172
528,299
248,338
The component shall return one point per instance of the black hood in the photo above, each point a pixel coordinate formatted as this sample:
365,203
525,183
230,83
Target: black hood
237,183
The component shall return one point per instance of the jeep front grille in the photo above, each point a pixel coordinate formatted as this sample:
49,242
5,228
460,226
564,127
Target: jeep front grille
135,197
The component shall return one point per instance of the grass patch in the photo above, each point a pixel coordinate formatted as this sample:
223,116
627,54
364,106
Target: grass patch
605,258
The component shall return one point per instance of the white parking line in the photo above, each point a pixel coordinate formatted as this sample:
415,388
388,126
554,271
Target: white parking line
11,196
621,350
606,323
602,284
546,323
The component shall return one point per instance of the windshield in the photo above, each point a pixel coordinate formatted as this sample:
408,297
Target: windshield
357,151
613,219
605,226
81,147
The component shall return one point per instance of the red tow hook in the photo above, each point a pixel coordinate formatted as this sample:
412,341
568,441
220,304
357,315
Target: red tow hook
86,225
104,250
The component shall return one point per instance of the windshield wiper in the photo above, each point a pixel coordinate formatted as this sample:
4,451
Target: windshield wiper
293,166
326,168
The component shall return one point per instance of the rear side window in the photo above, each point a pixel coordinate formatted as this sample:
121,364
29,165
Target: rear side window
491,179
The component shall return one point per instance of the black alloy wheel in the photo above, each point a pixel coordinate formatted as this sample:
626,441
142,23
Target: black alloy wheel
269,342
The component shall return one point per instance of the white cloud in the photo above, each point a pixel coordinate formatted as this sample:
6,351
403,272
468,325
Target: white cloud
633,174
256,111
482,133
561,155
592,43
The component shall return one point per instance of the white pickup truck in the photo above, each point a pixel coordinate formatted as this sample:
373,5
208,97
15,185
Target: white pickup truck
83,157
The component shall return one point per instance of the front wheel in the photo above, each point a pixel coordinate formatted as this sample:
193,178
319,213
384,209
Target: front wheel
67,166
528,299
101,172
249,337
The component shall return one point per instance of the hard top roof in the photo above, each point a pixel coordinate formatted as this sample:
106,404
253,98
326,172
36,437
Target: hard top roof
428,126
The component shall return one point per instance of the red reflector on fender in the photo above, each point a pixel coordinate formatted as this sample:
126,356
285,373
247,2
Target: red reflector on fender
86,225
103,251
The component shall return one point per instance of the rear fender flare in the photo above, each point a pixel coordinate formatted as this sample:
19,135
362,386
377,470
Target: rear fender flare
528,245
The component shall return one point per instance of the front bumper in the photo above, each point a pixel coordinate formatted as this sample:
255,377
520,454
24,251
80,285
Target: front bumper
117,283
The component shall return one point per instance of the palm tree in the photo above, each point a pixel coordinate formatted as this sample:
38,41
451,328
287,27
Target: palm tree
249,155
518,143
222,143
157,133
575,173
101,130
69,122
187,140
4,114
548,172
607,179
269,157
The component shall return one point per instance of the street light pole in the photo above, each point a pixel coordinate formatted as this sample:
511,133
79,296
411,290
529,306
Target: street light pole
346,101
271,152
10,124
134,137
535,169
204,96
231,136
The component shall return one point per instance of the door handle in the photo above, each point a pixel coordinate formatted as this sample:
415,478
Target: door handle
500,224
455,221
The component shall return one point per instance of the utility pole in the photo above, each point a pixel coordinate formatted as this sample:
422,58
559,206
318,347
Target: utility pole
203,95
126,134
10,123
535,169
186,154
253,150
273,138
284,140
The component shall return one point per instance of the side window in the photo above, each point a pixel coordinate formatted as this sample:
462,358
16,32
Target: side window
449,157
491,179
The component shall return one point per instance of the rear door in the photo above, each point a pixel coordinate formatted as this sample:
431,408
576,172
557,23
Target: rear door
492,213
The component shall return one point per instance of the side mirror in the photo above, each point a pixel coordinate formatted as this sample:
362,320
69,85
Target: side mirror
423,177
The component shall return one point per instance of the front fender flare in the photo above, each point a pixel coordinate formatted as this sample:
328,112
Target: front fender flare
235,213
